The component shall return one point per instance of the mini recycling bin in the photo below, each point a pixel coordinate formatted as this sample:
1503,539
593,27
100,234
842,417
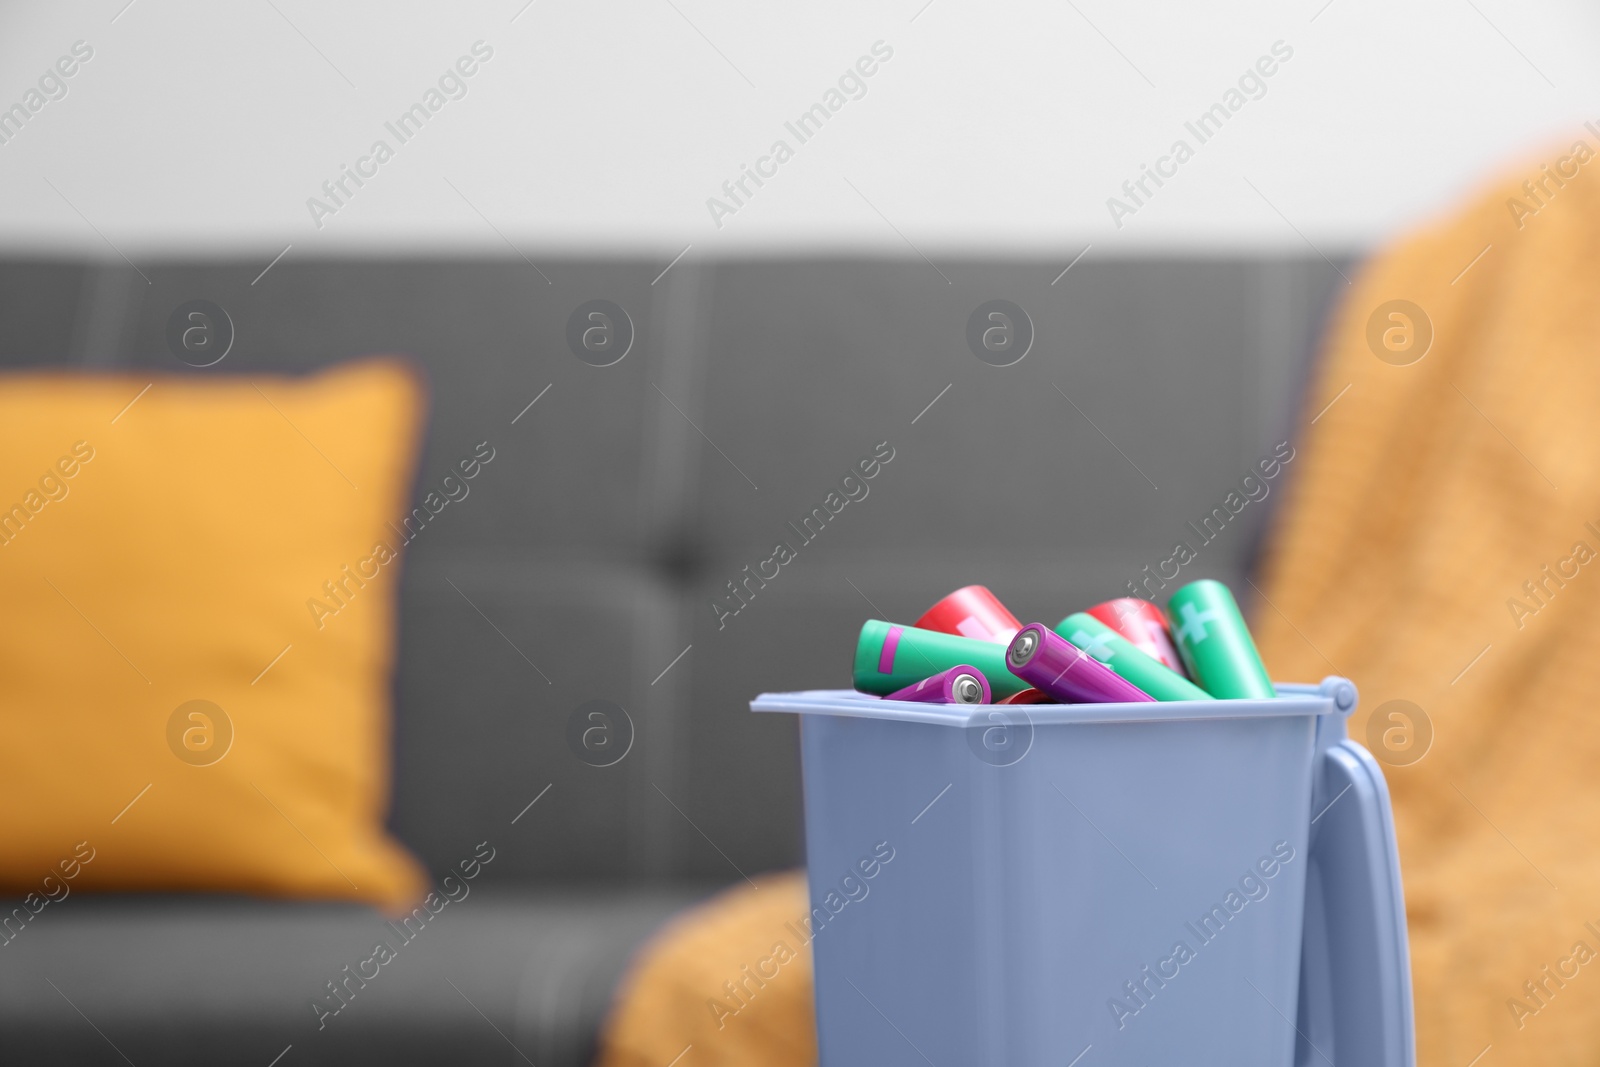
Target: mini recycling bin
1197,883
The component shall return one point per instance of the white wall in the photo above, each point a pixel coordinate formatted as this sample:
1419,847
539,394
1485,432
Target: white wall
1003,125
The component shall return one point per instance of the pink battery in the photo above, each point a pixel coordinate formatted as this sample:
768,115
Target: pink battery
1050,663
958,685
1145,627
974,612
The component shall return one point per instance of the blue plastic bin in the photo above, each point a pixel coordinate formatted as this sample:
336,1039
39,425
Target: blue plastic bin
1108,884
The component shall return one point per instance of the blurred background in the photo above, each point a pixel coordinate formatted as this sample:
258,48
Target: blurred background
773,333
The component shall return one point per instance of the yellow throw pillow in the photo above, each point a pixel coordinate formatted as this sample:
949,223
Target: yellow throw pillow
175,711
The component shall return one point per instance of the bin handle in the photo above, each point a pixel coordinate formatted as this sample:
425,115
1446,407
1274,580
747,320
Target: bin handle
1355,963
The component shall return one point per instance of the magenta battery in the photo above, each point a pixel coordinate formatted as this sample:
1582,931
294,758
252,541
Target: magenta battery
974,612
961,684
1145,627
1052,664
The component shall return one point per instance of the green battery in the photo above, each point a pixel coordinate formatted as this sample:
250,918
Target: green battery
890,657
1118,653
1215,644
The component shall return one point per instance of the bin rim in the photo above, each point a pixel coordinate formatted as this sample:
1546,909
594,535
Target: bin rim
1334,696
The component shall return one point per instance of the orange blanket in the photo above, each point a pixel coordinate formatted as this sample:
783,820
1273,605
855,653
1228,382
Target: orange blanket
1436,548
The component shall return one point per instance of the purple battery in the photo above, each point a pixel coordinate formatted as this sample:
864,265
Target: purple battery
1049,662
960,684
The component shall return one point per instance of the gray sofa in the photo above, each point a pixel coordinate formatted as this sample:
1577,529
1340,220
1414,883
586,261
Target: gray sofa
587,563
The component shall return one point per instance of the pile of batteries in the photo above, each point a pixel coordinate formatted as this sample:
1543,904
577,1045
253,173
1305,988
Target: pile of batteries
968,649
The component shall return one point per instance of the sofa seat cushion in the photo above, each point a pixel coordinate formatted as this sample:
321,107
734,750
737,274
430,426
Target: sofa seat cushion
496,977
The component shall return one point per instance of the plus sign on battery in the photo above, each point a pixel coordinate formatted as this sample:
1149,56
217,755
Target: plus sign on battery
1193,629
1094,644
